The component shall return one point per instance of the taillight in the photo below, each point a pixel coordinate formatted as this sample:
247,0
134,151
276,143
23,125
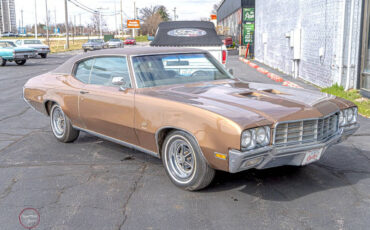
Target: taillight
224,57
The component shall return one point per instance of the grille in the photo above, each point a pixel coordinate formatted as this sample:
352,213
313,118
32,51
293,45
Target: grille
306,131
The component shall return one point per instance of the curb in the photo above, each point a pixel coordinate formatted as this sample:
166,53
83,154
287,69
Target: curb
272,76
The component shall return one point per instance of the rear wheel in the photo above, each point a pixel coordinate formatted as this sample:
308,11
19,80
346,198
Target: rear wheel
184,162
20,62
2,61
43,55
61,125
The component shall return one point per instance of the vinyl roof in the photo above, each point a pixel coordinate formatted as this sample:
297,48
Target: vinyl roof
163,36
67,67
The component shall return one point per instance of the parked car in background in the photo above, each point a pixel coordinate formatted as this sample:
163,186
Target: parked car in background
115,43
130,41
194,34
8,34
150,38
9,52
41,48
227,40
94,44
196,119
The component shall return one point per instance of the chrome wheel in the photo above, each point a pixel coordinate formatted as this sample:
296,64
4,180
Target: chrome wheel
180,159
58,121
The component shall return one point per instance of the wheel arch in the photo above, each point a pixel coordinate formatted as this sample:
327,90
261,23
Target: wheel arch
48,104
161,133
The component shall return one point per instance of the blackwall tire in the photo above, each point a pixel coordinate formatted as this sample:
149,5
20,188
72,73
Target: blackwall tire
184,162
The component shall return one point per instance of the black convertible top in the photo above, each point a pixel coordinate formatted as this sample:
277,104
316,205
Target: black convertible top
186,33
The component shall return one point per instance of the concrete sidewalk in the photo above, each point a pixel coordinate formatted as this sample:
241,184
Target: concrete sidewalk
248,73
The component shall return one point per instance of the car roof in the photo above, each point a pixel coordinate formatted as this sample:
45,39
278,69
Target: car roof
164,37
67,67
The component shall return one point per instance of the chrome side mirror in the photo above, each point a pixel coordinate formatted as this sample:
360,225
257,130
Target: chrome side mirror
119,81
231,71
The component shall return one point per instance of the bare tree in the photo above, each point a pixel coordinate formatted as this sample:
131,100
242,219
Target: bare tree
152,16
95,22
215,7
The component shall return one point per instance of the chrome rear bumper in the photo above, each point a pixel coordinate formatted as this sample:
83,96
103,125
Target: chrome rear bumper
271,156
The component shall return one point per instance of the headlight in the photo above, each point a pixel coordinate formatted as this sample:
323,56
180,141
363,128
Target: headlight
254,138
348,116
342,118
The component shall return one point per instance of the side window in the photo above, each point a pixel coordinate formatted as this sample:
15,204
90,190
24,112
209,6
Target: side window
83,70
106,68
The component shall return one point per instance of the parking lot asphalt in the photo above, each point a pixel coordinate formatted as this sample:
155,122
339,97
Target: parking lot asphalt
96,184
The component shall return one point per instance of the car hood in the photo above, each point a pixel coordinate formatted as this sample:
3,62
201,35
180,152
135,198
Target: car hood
250,103
36,46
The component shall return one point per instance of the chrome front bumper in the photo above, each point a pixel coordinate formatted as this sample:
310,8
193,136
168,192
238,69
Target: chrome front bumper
271,156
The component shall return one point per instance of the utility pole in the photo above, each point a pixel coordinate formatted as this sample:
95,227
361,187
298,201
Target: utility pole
47,22
121,19
22,17
80,25
35,19
74,33
133,30
55,20
115,17
174,14
66,22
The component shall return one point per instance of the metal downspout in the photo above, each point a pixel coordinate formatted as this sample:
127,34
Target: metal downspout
341,53
350,45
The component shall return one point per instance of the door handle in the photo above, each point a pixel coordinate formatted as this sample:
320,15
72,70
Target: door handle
84,92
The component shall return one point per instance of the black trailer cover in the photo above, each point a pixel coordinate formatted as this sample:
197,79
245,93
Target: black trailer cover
186,33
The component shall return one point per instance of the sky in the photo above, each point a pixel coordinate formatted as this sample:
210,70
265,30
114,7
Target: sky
185,9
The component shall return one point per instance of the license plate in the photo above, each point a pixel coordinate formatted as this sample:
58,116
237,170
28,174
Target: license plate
312,156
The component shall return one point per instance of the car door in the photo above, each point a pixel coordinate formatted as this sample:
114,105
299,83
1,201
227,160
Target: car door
105,108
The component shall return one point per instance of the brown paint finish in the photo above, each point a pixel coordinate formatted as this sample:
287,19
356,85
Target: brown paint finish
214,113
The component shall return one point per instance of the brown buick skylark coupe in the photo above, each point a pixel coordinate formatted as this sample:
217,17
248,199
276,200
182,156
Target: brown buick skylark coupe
181,105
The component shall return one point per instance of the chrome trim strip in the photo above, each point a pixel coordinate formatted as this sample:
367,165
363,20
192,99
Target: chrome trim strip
284,153
132,146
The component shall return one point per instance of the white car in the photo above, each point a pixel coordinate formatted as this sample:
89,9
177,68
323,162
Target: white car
115,43
40,47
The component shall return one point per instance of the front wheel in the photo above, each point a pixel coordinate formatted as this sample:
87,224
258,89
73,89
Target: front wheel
61,125
185,163
20,62
2,61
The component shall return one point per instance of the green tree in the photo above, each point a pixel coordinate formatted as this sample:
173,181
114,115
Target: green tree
162,10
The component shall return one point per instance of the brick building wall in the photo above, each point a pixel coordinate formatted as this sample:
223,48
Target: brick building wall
321,26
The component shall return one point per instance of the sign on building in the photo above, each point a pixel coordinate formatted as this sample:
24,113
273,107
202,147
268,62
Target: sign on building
248,27
133,24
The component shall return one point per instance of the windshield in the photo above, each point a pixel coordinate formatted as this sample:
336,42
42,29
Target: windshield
168,69
31,42
129,38
114,40
7,44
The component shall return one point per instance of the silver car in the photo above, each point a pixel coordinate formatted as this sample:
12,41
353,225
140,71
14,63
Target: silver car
115,43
